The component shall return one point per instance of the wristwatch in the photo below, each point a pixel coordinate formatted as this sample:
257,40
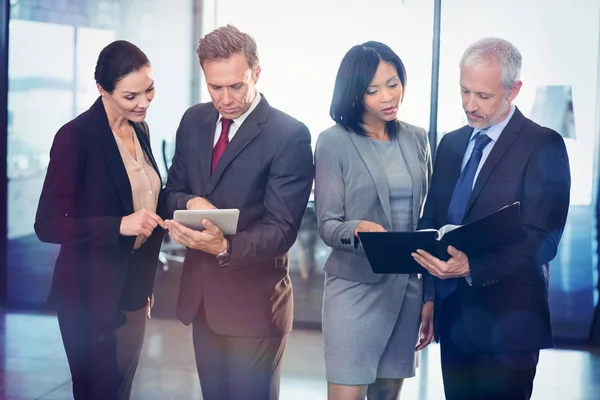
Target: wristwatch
224,256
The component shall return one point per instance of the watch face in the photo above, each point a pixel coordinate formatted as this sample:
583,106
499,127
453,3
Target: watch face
222,258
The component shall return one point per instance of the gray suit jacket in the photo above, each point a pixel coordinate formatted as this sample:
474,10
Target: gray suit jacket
351,186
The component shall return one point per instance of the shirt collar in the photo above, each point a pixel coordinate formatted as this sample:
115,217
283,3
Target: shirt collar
494,131
239,120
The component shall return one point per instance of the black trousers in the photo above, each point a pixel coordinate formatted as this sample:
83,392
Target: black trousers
102,357
236,368
469,374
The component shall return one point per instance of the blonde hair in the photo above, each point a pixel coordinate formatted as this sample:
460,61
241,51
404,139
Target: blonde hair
226,41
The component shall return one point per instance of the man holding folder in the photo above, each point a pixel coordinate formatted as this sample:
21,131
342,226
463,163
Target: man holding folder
491,310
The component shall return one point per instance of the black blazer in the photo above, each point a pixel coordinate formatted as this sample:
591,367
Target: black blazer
267,173
85,195
506,309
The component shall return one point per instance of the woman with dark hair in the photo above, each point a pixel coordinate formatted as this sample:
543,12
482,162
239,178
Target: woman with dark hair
372,175
100,201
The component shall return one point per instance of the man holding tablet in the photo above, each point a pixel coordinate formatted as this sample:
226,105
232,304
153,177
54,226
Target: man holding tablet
238,152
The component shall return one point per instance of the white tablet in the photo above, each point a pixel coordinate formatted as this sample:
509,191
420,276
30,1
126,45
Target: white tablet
225,219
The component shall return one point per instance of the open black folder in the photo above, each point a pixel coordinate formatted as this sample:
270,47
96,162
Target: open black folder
390,252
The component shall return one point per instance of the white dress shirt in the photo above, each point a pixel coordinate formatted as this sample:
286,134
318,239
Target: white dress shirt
493,132
236,122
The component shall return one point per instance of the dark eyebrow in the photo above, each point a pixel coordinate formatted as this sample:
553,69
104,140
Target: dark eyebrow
128,92
388,81
232,85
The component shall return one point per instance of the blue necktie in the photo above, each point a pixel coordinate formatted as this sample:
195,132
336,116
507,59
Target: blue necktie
459,200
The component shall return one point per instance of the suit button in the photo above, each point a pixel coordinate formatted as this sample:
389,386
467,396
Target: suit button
342,240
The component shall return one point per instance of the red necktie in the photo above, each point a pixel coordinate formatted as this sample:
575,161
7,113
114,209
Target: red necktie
222,143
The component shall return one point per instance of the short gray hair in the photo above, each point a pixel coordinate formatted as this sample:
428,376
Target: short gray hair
495,50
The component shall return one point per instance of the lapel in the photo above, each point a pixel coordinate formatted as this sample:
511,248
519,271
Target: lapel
456,148
410,152
243,137
206,130
506,139
114,162
367,152
144,140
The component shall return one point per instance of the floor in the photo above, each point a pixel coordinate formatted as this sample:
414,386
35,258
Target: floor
34,366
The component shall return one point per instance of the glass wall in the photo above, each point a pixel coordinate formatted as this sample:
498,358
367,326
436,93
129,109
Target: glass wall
53,48
559,44
301,45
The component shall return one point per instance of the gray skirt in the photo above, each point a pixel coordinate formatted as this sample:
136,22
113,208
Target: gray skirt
370,330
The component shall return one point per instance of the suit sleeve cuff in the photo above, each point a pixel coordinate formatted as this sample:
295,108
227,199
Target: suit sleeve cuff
182,201
480,273
348,238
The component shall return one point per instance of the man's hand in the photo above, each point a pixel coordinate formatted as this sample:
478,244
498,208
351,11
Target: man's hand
199,203
456,266
210,240
426,332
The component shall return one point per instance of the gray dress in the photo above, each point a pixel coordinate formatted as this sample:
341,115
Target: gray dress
360,346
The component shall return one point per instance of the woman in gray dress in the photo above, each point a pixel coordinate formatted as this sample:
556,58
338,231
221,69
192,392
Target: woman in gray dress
372,175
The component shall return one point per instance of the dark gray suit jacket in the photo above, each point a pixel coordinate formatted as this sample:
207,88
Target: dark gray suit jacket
267,173
351,186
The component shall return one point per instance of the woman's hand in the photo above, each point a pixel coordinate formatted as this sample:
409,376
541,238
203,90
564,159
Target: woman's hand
368,226
426,332
149,305
142,223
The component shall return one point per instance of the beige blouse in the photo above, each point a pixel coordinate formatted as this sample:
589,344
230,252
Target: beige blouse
145,182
